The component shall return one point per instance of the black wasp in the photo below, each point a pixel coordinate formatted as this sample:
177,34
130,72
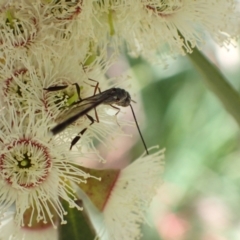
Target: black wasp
116,96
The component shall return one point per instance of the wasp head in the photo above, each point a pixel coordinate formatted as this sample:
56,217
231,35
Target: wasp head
121,97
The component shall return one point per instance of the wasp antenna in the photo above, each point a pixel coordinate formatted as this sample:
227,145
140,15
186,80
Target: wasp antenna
133,101
145,146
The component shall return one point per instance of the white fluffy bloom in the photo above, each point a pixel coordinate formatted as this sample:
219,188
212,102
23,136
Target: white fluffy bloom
32,29
22,30
28,83
175,25
130,197
44,45
35,170
18,25
85,27
69,23
61,104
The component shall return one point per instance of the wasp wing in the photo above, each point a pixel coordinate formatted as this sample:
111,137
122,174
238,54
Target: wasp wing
82,104
73,110
78,110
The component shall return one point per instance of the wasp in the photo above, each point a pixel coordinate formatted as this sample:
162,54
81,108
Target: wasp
112,96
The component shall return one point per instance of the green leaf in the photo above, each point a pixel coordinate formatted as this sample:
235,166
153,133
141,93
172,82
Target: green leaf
77,227
217,83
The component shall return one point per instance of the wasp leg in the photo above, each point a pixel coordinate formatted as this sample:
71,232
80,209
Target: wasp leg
56,88
96,115
118,110
96,87
77,138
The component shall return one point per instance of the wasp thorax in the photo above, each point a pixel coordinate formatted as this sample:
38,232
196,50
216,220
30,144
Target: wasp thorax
119,97
124,98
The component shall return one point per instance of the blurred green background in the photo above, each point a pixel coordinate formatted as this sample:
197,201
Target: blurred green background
200,196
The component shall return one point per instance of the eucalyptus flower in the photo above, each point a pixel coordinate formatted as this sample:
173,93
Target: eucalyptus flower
169,27
123,196
35,170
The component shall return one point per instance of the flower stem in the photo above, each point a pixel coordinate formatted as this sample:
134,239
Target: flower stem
217,83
